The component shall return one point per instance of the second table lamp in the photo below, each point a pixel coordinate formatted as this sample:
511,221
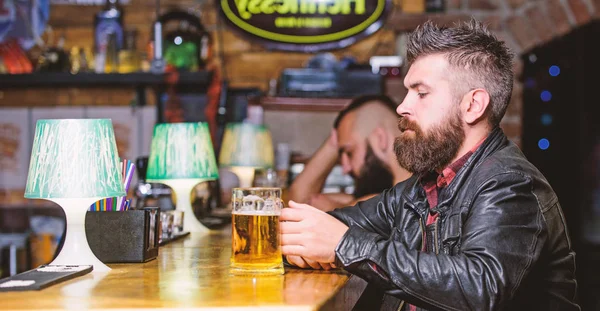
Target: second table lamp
181,156
245,148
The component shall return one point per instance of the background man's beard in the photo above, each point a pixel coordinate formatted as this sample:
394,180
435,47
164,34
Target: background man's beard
432,151
374,176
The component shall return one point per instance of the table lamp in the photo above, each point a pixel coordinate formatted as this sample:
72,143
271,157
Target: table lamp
245,148
74,163
181,156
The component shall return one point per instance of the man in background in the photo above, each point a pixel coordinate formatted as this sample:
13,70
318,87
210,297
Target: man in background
363,141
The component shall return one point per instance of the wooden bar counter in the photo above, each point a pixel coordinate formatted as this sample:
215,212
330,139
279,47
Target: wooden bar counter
192,274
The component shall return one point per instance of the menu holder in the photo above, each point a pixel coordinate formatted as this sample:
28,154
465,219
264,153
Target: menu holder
42,277
130,236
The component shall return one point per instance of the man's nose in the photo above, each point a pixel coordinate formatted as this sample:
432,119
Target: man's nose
404,107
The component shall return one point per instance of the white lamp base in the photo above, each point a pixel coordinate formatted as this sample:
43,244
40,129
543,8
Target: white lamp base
182,189
76,250
244,174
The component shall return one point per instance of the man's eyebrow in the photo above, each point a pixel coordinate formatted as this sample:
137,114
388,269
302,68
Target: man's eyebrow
417,84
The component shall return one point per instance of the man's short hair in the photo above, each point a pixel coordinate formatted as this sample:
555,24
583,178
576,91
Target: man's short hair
477,60
363,100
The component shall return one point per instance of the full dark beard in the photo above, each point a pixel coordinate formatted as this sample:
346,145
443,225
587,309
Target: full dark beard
374,176
425,153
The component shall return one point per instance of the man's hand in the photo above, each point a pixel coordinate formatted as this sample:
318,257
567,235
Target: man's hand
305,263
310,233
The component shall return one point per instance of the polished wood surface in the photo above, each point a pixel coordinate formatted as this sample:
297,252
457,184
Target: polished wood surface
192,274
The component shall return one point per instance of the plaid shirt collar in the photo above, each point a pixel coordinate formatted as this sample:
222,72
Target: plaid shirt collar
433,180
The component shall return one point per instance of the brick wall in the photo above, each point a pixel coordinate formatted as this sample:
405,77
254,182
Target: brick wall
522,24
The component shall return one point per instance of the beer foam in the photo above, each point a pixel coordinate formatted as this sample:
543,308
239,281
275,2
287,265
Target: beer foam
253,203
252,197
257,213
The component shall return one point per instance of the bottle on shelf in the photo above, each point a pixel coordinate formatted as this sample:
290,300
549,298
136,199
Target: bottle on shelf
54,58
75,60
108,23
13,58
80,59
87,59
129,60
111,64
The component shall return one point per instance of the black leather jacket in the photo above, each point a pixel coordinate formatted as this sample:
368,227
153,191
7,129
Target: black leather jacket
500,241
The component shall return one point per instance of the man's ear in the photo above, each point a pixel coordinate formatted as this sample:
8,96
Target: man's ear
475,105
379,142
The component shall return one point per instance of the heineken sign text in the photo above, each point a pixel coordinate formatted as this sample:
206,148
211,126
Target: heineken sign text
306,25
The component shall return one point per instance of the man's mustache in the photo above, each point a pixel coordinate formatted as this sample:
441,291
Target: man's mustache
405,124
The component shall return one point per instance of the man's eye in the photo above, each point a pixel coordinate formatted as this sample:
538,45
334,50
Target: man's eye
421,95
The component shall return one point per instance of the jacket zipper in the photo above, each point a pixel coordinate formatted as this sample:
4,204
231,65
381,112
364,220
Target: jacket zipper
424,241
423,248
423,236
435,235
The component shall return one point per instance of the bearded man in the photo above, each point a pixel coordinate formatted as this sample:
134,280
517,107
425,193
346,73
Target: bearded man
477,226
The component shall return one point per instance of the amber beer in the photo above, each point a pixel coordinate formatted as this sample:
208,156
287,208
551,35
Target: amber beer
255,236
256,242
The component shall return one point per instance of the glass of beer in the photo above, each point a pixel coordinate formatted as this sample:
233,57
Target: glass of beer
255,243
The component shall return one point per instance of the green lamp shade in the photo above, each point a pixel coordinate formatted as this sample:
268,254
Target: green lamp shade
74,158
181,151
246,145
